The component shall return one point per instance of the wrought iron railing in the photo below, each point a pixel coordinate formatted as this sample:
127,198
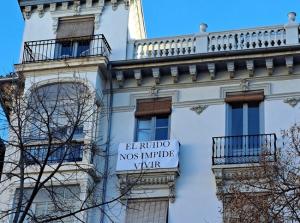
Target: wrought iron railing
243,149
38,154
60,49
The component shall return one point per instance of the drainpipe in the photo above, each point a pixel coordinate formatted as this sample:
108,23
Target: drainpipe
107,149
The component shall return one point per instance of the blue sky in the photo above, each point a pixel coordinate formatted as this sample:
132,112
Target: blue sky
164,18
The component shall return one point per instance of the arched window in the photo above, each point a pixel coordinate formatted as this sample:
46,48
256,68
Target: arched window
57,115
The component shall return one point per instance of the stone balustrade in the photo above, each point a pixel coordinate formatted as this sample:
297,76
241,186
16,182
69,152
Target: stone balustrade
264,37
204,42
162,47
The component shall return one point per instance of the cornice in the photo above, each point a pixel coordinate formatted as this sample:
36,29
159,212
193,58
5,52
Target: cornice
41,6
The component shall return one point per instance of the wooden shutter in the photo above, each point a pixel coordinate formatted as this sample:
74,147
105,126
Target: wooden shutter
241,97
152,107
72,28
145,211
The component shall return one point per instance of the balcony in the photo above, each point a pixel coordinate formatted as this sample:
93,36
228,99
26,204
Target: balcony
243,149
61,49
66,153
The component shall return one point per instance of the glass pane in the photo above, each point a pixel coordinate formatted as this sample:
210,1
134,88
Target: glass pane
161,134
66,49
162,121
237,119
253,118
83,48
144,135
144,123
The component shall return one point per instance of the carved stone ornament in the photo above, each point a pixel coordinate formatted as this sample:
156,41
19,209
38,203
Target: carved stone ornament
40,10
245,84
153,91
293,101
76,7
27,12
114,4
139,182
127,4
55,25
199,108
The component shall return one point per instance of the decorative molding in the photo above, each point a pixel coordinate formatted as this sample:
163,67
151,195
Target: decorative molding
77,7
40,10
126,4
231,69
250,67
160,93
138,76
212,70
292,101
174,74
162,182
120,78
199,108
156,75
269,66
65,6
290,64
89,3
27,12
55,25
245,84
114,4
52,7
266,87
193,72
153,92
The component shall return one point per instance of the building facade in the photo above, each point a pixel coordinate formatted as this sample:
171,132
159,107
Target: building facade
174,117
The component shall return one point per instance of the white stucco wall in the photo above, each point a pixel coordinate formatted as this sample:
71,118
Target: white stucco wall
196,199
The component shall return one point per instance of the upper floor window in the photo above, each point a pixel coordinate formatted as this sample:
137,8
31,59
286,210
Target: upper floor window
153,117
244,113
74,37
57,117
51,202
147,210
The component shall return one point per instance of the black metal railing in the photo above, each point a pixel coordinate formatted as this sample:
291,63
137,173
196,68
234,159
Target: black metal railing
60,49
243,149
54,153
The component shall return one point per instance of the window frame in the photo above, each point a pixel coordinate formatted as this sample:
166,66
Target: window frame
150,199
153,127
228,124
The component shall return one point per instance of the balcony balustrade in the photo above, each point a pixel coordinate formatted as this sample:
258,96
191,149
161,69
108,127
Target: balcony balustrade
60,49
214,42
55,154
244,149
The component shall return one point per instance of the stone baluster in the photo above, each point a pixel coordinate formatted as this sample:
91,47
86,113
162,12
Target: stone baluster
163,48
146,50
292,29
154,49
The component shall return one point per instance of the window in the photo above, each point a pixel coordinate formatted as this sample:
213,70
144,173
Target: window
147,211
52,202
153,119
74,37
152,128
62,127
244,125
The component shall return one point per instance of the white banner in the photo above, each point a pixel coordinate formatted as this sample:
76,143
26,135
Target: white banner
148,155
